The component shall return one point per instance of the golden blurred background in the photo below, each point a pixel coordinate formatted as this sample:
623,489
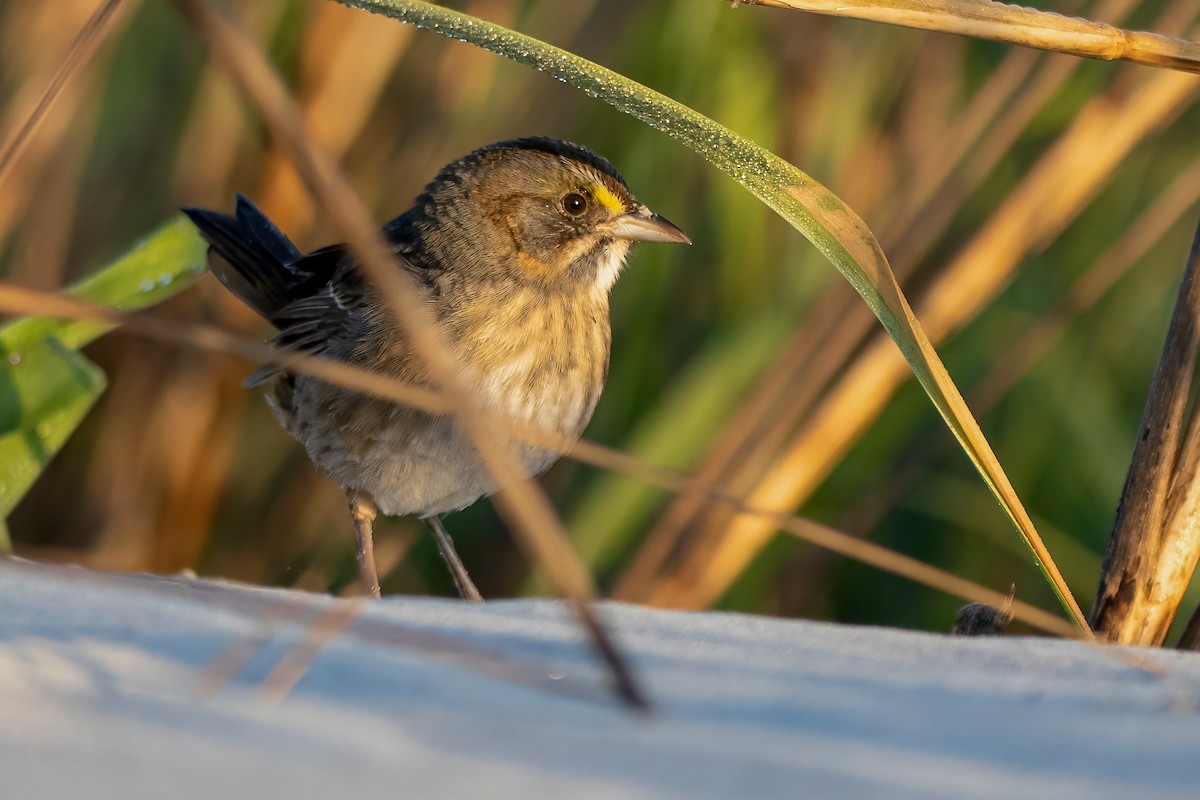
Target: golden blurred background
1036,207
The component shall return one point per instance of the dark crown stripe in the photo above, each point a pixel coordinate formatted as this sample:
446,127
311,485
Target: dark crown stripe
558,147
543,144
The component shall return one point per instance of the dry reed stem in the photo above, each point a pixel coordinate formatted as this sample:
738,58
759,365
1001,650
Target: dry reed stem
1033,344
56,165
21,300
40,248
192,444
916,240
948,147
831,345
168,457
523,505
1153,553
218,137
1054,192
999,22
50,150
932,204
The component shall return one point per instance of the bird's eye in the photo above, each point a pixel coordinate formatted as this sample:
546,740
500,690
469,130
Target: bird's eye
574,204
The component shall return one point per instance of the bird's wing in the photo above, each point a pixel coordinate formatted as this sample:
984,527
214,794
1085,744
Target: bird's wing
328,305
323,308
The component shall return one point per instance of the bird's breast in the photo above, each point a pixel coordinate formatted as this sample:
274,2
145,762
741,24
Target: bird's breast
542,360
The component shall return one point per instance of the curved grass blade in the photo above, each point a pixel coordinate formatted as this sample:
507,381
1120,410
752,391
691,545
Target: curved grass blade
833,228
46,389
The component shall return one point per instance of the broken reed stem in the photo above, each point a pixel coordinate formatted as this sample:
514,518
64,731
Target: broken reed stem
523,505
1153,552
20,300
999,22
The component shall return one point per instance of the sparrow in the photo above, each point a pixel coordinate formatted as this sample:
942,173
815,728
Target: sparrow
514,248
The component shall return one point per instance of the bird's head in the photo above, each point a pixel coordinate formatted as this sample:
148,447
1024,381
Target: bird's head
538,211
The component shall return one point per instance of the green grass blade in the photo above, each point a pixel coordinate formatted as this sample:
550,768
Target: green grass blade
808,206
46,385
46,388
163,264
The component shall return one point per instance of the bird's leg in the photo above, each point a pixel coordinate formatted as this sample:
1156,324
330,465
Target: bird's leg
362,511
466,587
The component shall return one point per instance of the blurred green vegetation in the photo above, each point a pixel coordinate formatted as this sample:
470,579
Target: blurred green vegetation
178,467
47,386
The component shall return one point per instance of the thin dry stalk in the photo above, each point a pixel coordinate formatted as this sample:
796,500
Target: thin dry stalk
1146,231
57,166
127,519
192,441
1152,553
1052,194
1013,24
40,247
21,300
190,483
937,161
81,50
918,232
171,457
32,146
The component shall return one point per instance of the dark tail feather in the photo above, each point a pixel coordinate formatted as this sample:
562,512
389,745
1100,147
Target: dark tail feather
253,258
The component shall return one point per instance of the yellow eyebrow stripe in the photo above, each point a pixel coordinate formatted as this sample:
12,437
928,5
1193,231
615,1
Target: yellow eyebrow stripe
605,197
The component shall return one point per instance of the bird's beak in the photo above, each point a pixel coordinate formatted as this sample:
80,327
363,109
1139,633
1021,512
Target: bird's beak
643,225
